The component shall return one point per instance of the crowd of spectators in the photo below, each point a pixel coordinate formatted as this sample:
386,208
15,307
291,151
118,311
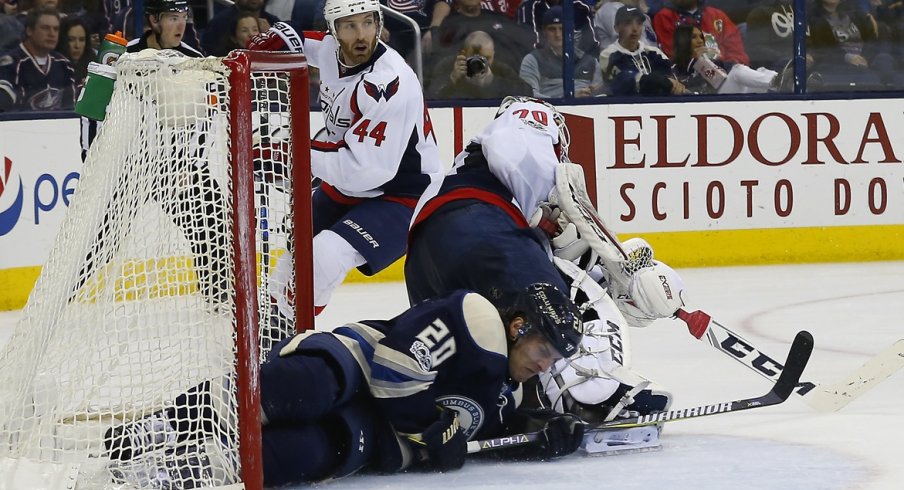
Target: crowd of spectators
492,48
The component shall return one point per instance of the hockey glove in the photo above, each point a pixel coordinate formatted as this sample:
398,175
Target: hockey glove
560,436
280,37
445,442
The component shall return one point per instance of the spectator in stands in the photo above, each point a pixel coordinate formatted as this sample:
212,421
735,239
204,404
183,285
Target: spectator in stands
92,14
720,32
530,13
511,40
476,73
845,48
440,9
11,29
244,28
631,67
307,15
699,68
604,23
542,67
770,34
218,29
33,76
736,10
73,44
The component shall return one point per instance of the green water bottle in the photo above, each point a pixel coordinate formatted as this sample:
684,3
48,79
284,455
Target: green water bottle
111,48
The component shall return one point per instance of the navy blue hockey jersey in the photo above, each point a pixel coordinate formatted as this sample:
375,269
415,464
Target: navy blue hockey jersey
26,85
450,351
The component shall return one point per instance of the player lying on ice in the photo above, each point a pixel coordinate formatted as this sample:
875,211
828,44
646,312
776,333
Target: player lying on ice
383,395
495,223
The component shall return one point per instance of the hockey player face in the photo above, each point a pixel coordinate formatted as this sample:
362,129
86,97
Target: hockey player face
169,28
357,36
530,355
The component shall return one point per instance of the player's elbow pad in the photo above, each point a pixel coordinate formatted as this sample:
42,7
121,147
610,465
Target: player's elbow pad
280,37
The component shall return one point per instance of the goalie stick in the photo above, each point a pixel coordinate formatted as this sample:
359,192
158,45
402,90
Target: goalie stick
823,398
798,356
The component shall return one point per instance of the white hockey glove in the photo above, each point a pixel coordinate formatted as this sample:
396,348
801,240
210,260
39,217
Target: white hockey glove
654,291
569,245
566,241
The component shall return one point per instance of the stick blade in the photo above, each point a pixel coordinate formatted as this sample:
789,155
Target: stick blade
798,357
834,397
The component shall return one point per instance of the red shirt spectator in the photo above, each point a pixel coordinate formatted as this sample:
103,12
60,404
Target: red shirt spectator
710,20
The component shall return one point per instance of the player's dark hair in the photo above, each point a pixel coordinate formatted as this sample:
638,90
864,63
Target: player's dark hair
31,18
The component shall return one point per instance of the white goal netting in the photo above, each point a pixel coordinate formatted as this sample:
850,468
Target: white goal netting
132,320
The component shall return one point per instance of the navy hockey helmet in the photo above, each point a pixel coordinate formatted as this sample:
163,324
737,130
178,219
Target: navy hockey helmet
155,7
548,310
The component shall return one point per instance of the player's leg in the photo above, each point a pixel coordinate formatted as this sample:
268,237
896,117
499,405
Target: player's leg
476,247
370,236
306,376
351,438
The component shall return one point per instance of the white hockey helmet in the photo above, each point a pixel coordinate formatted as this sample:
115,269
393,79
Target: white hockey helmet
334,10
563,138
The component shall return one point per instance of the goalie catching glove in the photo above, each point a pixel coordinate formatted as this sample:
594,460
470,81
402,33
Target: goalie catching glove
280,37
445,442
654,290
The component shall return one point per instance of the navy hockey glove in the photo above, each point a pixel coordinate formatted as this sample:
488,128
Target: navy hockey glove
280,37
560,436
445,442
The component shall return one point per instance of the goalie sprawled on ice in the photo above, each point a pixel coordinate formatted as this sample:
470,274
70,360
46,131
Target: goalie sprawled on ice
511,203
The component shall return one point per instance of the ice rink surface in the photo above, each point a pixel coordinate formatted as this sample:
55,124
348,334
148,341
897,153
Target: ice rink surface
853,311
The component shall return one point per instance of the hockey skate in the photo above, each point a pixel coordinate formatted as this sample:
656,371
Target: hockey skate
127,441
185,468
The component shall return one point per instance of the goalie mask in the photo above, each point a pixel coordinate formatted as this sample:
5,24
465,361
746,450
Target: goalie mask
560,134
549,311
333,10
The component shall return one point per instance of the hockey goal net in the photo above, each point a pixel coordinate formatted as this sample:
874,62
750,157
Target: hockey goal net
156,285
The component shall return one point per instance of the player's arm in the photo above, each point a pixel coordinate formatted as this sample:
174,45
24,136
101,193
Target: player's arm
371,151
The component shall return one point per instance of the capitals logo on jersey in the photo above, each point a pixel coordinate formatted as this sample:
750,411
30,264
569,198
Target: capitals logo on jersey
380,91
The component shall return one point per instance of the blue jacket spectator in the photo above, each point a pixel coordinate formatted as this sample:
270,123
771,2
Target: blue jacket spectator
219,27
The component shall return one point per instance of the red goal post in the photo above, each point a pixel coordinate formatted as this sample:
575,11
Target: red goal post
194,195
242,63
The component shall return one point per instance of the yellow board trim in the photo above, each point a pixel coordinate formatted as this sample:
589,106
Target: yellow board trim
678,249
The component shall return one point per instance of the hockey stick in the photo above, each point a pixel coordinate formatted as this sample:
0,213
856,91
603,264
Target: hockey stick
798,356
823,398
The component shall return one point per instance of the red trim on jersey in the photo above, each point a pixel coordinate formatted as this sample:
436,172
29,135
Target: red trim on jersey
408,202
315,35
353,105
471,193
327,146
457,132
337,196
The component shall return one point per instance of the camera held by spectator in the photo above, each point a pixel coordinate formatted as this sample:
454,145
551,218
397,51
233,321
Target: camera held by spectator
476,65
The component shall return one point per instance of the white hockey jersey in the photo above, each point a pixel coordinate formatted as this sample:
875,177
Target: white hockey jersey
518,148
378,138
